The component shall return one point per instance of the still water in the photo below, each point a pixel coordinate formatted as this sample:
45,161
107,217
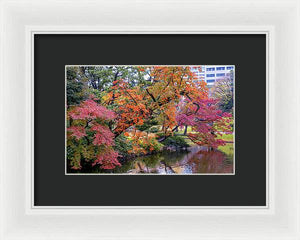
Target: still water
195,160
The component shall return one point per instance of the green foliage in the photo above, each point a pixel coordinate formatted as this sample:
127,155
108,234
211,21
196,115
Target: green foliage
176,141
74,92
75,87
226,105
73,156
160,134
122,145
223,91
102,77
86,80
71,73
149,125
152,145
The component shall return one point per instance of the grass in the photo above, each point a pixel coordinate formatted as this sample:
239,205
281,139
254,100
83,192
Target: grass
188,141
227,137
181,131
227,149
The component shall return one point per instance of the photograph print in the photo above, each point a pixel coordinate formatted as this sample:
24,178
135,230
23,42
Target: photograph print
150,119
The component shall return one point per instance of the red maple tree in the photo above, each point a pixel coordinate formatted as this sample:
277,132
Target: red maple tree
89,136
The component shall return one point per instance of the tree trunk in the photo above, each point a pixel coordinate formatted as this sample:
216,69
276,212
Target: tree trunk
185,130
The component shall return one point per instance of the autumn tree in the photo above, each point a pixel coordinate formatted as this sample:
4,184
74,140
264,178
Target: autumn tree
128,103
154,98
207,121
171,85
223,91
89,139
101,78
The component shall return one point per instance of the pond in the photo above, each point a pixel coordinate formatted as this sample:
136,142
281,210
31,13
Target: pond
195,159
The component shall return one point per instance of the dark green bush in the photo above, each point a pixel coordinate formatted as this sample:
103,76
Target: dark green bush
176,141
147,124
160,134
122,145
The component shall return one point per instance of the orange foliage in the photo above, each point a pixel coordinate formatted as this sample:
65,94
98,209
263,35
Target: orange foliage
159,98
141,141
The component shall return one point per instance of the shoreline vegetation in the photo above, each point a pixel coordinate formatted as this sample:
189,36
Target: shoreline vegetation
146,120
181,146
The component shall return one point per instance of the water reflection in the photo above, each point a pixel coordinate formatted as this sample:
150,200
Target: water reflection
195,160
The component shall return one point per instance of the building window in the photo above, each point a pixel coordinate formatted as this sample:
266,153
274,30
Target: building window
210,81
220,74
229,68
220,68
210,75
210,69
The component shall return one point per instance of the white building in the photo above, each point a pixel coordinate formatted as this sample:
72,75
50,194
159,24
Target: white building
210,73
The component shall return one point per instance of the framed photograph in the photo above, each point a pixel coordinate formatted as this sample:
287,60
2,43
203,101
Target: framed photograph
143,119
150,126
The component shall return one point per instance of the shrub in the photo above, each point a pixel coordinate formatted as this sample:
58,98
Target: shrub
143,142
147,125
122,145
152,145
176,141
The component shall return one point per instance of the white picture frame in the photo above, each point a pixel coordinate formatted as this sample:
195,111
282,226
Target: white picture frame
279,20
